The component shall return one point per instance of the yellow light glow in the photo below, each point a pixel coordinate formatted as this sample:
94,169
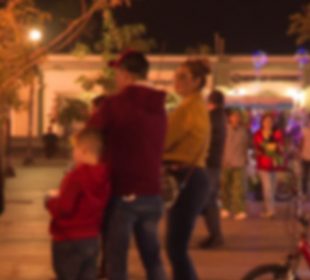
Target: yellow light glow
35,35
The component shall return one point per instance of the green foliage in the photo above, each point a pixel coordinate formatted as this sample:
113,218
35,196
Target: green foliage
131,36
70,110
80,50
16,19
201,49
116,38
300,25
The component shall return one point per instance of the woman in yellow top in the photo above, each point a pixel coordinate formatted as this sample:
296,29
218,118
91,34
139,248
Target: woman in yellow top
186,149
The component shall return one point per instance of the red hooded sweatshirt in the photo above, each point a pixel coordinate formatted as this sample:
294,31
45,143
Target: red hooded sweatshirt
77,213
133,123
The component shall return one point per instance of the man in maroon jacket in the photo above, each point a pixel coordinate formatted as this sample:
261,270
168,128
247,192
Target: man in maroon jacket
133,123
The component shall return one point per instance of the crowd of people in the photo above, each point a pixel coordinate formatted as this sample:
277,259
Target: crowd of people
114,189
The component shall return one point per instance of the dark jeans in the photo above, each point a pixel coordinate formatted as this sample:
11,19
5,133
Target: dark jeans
181,221
305,176
211,212
75,260
140,217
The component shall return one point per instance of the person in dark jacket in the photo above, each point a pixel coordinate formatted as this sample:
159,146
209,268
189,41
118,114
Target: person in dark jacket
211,212
77,211
133,122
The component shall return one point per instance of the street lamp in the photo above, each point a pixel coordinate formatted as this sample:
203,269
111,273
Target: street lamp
35,35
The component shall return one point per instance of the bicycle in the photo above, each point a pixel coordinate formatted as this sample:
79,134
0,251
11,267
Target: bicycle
288,270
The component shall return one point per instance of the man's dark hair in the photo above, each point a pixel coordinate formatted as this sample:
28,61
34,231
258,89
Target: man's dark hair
134,62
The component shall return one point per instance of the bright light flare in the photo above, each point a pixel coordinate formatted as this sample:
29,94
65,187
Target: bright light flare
35,35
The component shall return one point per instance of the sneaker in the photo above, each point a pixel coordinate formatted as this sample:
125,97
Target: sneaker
211,243
225,214
241,216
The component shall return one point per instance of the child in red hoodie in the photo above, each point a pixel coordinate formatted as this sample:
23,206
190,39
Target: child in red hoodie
77,211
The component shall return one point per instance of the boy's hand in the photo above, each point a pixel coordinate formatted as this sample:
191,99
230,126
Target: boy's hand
51,194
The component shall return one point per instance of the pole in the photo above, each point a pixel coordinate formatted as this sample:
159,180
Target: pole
29,154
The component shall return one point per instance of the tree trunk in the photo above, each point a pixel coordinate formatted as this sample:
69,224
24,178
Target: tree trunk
29,155
9,170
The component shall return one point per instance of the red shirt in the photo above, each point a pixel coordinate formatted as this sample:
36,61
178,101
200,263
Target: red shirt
77,213
133,123
269,161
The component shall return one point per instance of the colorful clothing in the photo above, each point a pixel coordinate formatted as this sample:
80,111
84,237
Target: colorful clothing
77,213
133,123
233,176
233,189
189,133
269,151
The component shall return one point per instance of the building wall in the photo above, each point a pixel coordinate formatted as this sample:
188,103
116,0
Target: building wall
61,73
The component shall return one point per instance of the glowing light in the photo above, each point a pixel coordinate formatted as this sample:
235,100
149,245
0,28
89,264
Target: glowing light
35,35
297,95
260,59
242,91
302,56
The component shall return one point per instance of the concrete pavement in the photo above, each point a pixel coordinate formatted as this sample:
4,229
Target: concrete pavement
24,239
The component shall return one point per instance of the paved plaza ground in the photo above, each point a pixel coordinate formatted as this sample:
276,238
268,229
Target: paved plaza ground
24,239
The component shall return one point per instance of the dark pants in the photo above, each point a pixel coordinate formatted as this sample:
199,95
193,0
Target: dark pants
75,260
211,212
305,176
140,217
181,221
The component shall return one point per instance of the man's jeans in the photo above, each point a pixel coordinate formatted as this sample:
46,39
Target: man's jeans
211,212
141,217
75,260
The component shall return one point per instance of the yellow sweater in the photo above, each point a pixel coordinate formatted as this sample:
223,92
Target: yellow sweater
189,132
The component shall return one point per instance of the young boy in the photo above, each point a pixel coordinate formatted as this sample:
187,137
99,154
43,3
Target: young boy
77,211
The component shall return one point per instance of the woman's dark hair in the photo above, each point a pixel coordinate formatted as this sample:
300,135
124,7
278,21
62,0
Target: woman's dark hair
199,69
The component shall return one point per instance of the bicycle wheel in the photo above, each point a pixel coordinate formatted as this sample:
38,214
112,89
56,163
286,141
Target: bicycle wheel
270,272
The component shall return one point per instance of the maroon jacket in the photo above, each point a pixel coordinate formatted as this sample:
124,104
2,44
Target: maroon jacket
77,212
134,124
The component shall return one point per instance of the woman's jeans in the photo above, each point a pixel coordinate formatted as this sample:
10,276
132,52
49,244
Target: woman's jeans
181,221
268,180
305,176
138,217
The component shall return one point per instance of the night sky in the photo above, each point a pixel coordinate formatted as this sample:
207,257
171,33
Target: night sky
247,25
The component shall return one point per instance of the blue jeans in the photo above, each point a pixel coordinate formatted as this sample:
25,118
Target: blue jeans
211,211
139,217
181,221
75,260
